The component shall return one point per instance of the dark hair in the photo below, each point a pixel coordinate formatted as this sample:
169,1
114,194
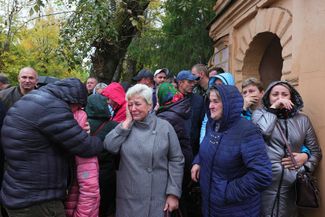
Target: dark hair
217,69
4,79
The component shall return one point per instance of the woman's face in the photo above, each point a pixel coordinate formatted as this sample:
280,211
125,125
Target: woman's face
279,92
215,106
138,108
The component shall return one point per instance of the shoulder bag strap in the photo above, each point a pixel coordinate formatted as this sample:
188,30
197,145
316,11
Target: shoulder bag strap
99,128
287,146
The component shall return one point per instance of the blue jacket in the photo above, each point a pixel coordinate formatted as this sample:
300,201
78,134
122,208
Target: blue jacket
234,166
39,135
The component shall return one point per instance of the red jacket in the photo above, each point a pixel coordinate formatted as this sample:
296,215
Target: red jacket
83,199
115,92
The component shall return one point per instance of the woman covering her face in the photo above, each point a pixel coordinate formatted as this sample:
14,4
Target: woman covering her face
281,113
150,172
232,166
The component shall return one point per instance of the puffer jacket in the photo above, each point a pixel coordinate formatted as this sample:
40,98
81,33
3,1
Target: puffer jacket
234,166
83,198
2,115
299,131
115,92
39,136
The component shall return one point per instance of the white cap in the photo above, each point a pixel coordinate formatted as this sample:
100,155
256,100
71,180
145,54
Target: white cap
165,70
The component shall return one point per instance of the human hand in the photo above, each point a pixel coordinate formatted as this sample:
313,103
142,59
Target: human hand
129,119
87,127
282,103
249,101
195,172
300,158
171,203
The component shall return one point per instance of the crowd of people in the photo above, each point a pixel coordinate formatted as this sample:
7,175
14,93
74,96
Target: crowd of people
191,143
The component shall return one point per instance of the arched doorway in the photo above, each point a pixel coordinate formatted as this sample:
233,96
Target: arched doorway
263,58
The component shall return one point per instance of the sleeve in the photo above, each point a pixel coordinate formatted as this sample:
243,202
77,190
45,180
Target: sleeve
203,127
259,175
305,150
175,164
59,124
114,140
196,159
88,181
311,142
2,115
266,121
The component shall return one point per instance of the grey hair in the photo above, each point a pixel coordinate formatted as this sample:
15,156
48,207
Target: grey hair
99,86
140,90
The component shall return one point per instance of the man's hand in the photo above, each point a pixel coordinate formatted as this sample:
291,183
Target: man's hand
87,127
249,101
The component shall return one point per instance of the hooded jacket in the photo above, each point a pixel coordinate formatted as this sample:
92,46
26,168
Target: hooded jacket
39,135
83,198
227,79
115,92
299,131
101,125
234,166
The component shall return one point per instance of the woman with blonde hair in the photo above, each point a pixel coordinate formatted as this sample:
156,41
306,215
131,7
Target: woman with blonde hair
150,173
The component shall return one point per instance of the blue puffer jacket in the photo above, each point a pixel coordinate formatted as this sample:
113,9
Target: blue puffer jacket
234,166
39,134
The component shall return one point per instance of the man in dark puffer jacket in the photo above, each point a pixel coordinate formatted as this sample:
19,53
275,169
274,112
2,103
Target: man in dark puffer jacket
39,135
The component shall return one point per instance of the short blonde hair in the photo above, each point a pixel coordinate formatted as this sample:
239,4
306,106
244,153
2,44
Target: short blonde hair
140,90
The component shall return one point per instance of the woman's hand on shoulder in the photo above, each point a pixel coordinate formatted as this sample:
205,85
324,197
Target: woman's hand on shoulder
195,172
171,203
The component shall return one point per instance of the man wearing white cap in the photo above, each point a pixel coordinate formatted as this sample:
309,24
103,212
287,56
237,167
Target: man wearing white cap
160,76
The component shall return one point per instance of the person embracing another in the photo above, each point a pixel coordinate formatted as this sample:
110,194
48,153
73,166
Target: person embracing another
149,178
281,112
232,166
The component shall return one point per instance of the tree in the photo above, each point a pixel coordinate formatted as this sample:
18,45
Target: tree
37,47
183,39
103,30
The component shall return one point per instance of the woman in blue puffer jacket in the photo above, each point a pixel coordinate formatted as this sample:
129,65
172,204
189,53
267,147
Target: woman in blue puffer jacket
232,166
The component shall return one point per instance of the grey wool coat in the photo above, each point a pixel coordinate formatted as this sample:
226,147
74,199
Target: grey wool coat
151,166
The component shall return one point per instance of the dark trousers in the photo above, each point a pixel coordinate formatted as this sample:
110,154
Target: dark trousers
52,208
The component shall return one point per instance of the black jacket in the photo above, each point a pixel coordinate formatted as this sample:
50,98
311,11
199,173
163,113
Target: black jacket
178,115
39,134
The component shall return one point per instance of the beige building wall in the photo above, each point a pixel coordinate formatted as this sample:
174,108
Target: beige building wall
242,32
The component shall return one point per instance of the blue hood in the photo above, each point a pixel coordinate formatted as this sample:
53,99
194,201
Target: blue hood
227,78
232,102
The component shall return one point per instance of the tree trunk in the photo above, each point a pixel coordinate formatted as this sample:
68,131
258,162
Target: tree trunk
109,53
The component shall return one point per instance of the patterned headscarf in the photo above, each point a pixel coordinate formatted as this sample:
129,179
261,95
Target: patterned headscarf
168,94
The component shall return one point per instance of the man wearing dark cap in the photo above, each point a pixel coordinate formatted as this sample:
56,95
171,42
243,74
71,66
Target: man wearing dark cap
186,81
4,82
144,76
